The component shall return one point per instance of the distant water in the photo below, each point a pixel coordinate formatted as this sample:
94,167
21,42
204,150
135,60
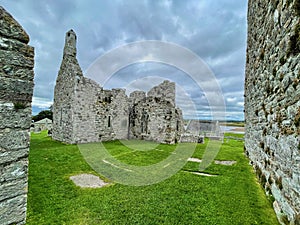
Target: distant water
233,129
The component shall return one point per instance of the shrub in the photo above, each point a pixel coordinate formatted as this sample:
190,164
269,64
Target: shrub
19,105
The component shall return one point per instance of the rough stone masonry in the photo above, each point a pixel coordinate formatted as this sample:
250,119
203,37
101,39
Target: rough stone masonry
272,101
16,87
85,112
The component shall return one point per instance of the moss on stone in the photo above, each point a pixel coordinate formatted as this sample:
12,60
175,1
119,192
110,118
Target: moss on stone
19,105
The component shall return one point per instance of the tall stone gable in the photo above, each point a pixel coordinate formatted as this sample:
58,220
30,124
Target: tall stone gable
272,101
16,88
84,112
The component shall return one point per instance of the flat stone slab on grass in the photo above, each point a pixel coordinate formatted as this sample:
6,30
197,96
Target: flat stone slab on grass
226,163
204,174
88,181
201,173
194,160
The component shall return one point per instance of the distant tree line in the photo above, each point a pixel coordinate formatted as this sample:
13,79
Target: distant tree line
43,114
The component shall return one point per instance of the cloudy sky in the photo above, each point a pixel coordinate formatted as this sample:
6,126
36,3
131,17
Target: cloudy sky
213,30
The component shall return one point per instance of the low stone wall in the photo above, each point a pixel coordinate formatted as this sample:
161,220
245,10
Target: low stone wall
16,87
191,138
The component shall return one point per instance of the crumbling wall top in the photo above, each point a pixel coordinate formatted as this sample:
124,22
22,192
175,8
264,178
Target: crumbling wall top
70,43
165,90
10,28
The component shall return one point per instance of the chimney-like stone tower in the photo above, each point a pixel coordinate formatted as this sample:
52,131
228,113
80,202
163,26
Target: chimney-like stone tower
70,43
68,79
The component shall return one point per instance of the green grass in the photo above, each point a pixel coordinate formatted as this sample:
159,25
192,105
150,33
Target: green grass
233,124
234,135
233,197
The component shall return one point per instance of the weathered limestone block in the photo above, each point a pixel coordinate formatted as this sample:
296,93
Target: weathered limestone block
11,45
12,118
14,171
12,189
272,102
12,156
16,72
14,139
19,90
10,28
16,59
13,215
16,88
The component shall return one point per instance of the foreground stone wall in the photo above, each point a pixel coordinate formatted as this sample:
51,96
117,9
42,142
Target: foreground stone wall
16,87
272,101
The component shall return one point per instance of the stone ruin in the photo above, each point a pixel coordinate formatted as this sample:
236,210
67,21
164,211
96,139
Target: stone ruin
85,112
272,107
16,88
272,102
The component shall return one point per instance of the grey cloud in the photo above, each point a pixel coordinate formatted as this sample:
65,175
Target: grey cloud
214,30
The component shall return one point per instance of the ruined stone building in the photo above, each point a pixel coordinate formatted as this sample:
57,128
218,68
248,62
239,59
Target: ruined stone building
16,88
206,128
272,102
85,112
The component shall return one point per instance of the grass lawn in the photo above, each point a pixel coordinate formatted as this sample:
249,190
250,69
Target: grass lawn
232,197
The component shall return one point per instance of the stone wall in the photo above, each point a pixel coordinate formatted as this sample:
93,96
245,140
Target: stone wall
272,101
112,115
154,116
165,90
83,111
16,87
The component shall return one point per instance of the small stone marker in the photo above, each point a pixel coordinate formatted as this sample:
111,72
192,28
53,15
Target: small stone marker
88,181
